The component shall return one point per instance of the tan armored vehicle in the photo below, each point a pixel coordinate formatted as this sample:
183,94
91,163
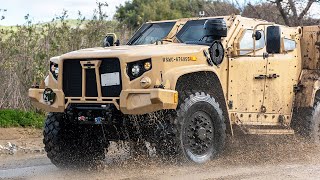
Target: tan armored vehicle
183,86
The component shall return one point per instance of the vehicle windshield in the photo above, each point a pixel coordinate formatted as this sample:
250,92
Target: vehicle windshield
192,31
151,32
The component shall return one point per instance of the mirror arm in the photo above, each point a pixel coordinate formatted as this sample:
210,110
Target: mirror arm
254,35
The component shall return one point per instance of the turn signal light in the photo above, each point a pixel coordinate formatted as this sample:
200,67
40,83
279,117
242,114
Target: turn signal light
147,66
176,97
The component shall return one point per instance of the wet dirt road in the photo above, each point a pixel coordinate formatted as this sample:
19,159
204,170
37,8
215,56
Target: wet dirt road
249,157
41,168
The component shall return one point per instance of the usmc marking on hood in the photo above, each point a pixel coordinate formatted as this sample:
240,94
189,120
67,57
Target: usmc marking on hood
178,59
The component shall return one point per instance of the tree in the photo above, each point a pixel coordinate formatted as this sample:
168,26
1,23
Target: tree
294,12
102,15
2,12
266,11
220,8
290,12
136,12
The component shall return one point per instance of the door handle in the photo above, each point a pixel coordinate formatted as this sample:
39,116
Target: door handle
269,76
260,76
273,76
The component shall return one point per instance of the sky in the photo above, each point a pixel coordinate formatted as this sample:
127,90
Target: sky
45,10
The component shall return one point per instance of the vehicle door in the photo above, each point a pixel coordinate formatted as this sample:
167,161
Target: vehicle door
283,70
246,75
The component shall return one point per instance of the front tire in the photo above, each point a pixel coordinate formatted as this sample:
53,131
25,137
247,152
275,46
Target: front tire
71,146
201,128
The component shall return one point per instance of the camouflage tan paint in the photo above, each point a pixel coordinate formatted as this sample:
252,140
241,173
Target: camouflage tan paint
254,102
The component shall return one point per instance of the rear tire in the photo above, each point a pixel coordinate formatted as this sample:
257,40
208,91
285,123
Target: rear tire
70,146
306,122
315,124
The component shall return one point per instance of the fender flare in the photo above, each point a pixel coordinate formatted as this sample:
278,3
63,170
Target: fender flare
171,77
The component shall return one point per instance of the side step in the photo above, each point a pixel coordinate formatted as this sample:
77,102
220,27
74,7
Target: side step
267,131
280,129
264,129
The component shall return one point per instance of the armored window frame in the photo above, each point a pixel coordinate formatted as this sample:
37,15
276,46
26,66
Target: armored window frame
247,35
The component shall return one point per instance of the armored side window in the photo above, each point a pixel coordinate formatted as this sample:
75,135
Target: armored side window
246,42
289,44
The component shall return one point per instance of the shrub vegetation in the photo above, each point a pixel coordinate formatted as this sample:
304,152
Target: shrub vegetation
18,118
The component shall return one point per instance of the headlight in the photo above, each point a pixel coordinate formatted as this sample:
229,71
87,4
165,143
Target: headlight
54,69
137,68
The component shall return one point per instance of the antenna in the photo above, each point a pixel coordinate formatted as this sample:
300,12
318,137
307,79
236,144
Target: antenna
202,13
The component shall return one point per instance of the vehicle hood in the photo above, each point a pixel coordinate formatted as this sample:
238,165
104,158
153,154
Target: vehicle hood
133,52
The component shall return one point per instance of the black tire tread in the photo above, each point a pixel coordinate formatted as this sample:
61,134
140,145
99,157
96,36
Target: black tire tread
188,95
306,121
64,148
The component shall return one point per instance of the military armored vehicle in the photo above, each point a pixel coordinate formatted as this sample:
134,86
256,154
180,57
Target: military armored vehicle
182,86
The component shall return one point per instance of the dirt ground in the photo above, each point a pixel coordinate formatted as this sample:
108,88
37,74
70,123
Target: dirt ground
245,157
25,137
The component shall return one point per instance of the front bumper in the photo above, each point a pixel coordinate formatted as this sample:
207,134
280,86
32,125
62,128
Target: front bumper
36,97
132,101
144,101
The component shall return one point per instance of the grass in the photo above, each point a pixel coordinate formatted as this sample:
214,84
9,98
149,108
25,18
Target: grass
8,27
17,118
73,23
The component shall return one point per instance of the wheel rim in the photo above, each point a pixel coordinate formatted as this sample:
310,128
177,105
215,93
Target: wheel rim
199,134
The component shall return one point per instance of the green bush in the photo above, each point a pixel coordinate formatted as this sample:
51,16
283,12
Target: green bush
17,118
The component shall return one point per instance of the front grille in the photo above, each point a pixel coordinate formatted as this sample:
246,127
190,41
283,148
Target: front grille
91,84
72,78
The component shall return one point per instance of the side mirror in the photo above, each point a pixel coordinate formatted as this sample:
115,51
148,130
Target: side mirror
273,39
257,35
215,28
111,40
